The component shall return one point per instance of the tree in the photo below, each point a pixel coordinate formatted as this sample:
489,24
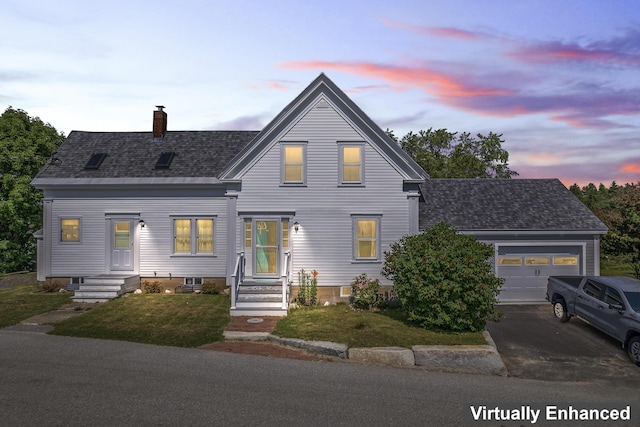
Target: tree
443,279
444,154
618,207
26,144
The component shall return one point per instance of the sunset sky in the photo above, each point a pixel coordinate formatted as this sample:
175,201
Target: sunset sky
559,79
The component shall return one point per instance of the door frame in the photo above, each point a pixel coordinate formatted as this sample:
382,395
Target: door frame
110,242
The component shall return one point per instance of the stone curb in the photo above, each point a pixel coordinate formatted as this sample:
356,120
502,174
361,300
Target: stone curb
478,359
326,348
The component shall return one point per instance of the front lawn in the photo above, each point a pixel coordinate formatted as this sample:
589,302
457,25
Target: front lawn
192,320
186,320
20,302
360,328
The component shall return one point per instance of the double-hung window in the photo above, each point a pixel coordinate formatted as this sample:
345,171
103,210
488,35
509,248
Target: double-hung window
293,163
366,237
70,230
351,163
193,236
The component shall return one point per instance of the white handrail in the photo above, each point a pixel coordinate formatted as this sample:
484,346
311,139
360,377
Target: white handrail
286,282
238,278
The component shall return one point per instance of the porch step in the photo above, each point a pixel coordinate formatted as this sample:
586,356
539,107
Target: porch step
259,298
105,287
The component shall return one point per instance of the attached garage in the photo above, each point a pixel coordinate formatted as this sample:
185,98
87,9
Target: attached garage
537,227
525,269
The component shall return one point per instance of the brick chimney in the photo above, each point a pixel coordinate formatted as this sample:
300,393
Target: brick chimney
159,122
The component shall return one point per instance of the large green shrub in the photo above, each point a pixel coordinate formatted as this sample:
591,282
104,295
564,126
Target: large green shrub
443,279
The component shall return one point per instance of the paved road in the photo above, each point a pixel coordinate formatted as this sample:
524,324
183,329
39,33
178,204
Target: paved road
533,344
50,381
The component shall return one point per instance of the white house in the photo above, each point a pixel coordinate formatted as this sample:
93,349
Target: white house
321,187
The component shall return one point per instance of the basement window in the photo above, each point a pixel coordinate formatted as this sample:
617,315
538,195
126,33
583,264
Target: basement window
95,161
164,161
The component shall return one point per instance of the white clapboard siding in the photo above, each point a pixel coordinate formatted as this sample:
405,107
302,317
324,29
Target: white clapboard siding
323,209
154,241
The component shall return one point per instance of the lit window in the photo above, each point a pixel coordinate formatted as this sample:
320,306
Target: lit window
247,234
70,229
285,234
505,260
193,236
536,260
205,235
182,235
351,164
565,260
366,238
293,164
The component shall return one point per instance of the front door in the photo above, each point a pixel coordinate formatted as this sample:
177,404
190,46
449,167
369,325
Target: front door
122,248
267,248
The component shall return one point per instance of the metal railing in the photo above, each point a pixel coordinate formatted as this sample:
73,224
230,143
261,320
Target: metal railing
286,279
238,278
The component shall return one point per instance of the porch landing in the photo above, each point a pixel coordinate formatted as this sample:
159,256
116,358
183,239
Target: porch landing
105,287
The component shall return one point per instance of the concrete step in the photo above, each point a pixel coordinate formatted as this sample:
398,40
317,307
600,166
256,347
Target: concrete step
100,288
259,304
257,312
259,297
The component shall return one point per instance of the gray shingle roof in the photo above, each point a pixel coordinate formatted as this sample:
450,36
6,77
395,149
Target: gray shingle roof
505,204
134,154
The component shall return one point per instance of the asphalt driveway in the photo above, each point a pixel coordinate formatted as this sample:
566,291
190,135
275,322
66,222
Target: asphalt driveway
534,344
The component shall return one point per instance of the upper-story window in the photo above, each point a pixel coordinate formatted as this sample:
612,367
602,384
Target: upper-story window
294,164
351,167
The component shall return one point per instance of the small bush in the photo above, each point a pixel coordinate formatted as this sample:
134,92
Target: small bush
443,279
308,292
152,287
211,288
51,286
364,293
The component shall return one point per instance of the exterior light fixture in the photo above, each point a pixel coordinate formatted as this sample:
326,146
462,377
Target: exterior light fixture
296,226
141,222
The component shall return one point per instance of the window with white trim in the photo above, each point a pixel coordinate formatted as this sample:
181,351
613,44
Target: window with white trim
351,163
70,230
366,237
294,164
193,236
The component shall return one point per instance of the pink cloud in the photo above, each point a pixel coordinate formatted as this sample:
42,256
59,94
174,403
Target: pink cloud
631,168
618,50
434,82
497,94
448,32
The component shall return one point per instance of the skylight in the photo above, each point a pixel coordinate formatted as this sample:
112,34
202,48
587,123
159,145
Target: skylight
95,161
165,160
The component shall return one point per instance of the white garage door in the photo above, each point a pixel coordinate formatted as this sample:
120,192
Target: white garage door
527,268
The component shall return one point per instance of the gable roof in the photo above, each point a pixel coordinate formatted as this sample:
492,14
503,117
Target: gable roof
323,86
505,204
201,154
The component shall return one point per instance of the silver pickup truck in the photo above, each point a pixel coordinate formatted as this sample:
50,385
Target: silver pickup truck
609,303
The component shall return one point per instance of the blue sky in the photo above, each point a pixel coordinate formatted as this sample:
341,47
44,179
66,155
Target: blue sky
559,79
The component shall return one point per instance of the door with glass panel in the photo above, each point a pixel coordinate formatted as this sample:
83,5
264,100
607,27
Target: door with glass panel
122,244
267,248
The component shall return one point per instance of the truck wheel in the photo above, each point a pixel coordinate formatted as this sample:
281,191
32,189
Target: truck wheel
560,311
633,348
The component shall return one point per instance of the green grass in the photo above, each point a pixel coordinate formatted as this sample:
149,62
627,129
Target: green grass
20,302
609,268
342,324
174,320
